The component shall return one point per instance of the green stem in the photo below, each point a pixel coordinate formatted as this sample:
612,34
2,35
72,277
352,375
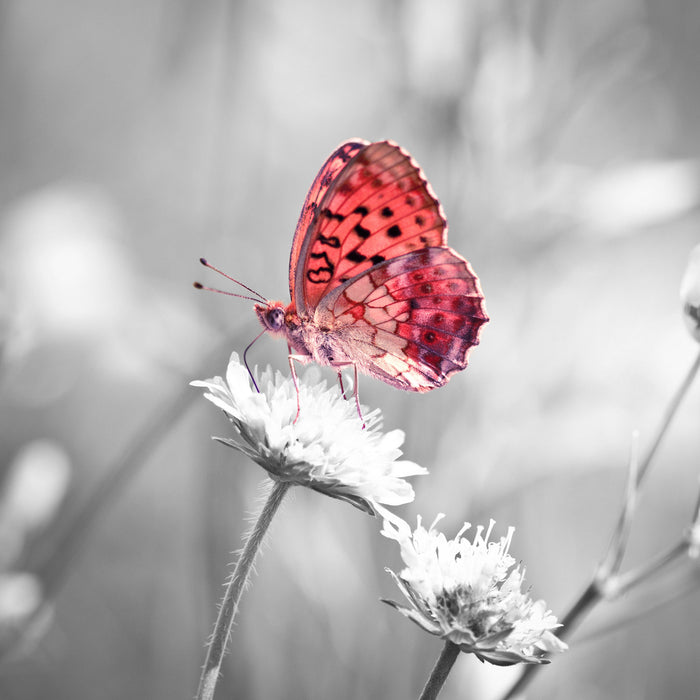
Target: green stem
440,671
234,590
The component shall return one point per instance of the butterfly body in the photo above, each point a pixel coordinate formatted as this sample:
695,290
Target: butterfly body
373,283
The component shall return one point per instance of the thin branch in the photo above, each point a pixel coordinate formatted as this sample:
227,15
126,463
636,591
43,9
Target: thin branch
626,582
669,415
689,584
612,561
593,593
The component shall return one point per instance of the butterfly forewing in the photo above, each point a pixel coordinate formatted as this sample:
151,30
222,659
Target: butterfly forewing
378,206
309,212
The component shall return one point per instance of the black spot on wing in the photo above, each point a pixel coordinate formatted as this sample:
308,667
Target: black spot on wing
355,256
361,231
330,241
330,215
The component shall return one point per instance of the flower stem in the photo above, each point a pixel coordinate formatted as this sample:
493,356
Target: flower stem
440,671
234,590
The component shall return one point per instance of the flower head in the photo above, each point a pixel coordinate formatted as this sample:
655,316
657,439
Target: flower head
690,294
469,592
325,448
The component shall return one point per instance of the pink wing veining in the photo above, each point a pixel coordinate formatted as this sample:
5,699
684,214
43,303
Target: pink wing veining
413,319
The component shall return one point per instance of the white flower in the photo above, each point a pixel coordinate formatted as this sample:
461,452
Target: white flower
469,592
326,448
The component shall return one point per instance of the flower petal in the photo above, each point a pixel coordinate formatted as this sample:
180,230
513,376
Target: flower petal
324,448
411,614
471,591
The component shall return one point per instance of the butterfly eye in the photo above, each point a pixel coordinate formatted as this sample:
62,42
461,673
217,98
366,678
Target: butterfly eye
275,318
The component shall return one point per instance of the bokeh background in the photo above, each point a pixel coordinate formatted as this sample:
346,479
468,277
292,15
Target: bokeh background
135,137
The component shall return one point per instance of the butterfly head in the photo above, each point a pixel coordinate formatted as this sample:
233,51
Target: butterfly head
272,316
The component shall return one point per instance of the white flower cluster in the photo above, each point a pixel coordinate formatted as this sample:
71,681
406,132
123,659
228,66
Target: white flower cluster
325,447
469,592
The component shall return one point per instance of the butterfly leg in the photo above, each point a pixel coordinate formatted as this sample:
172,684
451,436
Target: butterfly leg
338,367
299,358
340,381
357,396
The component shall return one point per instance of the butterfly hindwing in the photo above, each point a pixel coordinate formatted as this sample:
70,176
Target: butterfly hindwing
378,206
412,320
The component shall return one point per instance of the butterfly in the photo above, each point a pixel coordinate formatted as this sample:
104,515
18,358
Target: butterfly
373,284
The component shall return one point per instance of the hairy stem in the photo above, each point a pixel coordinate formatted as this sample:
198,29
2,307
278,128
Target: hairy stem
234,590
440,671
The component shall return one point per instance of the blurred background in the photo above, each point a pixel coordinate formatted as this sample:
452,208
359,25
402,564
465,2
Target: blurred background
136,137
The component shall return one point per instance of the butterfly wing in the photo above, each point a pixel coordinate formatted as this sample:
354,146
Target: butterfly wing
376,206
307,224
410,321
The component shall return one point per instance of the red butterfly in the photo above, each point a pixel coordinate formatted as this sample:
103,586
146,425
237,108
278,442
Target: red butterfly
373,283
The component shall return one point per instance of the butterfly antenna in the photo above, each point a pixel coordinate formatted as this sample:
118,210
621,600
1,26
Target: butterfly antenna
199,285
245,359
206,263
